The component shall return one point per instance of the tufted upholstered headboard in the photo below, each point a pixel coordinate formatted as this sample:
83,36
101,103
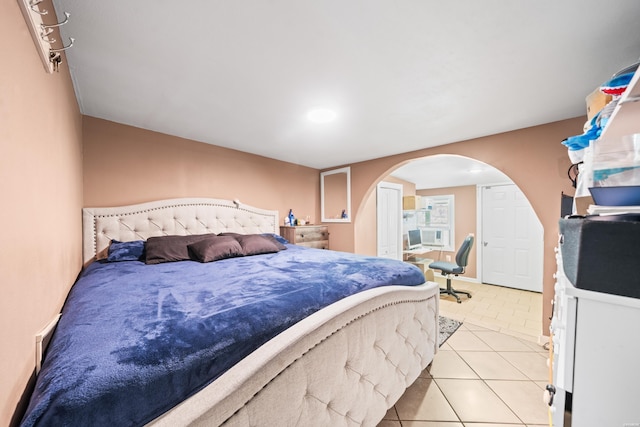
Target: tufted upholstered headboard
170,217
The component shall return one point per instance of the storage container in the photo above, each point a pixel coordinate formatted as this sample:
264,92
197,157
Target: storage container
602,253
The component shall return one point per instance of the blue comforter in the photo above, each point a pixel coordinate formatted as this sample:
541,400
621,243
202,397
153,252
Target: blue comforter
135,339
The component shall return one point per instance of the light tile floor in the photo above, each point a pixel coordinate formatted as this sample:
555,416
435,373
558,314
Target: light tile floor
491,372
510,311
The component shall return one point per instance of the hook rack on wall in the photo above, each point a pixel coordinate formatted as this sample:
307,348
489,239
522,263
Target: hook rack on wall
41,33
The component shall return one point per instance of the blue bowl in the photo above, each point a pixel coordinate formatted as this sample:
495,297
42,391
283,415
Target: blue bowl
616,196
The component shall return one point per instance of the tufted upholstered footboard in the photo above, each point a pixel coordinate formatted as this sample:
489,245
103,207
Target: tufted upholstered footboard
343,366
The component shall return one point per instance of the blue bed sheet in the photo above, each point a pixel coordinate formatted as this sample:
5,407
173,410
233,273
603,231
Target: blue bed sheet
134,340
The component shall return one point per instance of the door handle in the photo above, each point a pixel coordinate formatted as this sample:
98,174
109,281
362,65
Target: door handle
485,243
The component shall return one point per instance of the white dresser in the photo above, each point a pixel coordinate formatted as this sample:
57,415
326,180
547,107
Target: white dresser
596,362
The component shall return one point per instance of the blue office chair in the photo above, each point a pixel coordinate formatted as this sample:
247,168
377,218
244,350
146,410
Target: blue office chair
448,268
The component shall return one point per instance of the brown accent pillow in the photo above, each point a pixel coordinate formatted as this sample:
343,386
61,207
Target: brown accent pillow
170,248
254,244
275,241
268,236
215,248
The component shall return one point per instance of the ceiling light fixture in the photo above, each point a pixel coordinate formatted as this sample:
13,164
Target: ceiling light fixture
321,115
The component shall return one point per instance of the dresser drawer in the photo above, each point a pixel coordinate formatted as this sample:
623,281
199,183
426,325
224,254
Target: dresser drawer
313,236
306,234
319,244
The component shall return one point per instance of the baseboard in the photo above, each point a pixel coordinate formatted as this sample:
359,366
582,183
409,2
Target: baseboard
459,278
42,340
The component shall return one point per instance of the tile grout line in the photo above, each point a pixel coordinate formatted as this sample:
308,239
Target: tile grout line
484,380
480,377
448,402
514,366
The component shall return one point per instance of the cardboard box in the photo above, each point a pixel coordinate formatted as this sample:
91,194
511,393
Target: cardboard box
596,101
582,204
410,203
600,253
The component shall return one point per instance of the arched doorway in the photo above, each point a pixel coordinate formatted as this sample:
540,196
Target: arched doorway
508,232
467,178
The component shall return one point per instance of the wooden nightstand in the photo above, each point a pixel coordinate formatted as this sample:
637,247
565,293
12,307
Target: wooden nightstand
312,236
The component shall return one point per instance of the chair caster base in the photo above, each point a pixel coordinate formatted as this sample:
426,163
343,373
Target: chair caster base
454,293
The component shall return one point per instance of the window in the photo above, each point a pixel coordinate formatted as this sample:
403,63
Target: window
435,219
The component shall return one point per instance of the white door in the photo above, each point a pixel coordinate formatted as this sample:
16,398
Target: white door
512,239
389,219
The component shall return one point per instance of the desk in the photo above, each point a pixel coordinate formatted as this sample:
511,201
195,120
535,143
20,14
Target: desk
417,254
423,249
423,264
415,257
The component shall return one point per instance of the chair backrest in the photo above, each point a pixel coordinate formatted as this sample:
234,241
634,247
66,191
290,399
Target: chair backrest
462,256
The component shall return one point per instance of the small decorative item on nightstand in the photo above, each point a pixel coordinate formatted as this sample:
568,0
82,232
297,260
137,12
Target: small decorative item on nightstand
312,236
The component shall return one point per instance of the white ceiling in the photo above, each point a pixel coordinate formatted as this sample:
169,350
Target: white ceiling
445,170
402,75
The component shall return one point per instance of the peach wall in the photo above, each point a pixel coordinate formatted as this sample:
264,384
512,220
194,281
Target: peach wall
465,205
125,165
533,158
367,220
41,192
408,188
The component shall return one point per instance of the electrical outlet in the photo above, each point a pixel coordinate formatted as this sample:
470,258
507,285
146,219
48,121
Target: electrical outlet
448,258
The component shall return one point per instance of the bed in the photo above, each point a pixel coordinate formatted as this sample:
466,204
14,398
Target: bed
197,343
